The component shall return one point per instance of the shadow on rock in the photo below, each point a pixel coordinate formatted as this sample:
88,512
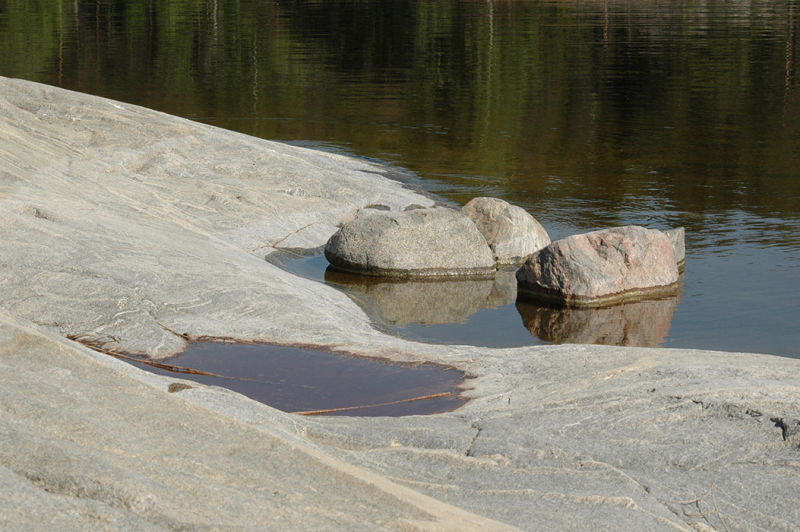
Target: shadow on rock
639,324
427,302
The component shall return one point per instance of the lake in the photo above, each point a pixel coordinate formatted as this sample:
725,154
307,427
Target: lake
586,113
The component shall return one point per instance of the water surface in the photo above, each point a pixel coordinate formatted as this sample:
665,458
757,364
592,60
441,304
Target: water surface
487,312
294,379
588,114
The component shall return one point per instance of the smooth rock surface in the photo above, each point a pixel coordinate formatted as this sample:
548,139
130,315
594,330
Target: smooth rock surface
601,267
554,438
100,449
310,237
435,242
512,233
158,225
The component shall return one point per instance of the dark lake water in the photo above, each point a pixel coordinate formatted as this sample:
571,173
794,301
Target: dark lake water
588,114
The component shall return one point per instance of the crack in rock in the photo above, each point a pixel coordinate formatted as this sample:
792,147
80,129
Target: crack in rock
789,426
478,430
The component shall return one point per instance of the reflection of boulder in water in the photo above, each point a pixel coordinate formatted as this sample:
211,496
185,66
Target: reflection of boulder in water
504,288
640,324
425,302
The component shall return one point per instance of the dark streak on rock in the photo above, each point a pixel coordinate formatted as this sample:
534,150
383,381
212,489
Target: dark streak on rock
789,426
468,452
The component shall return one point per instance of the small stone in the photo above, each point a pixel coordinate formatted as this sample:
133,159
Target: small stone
602,267
418,243
512,233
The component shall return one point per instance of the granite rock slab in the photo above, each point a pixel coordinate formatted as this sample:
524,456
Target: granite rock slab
159,225
140,229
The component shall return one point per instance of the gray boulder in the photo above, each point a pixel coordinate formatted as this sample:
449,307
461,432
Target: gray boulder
601,268
512,233
417,243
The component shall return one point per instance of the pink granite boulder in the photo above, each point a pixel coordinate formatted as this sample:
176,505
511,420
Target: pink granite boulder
601,268
678,236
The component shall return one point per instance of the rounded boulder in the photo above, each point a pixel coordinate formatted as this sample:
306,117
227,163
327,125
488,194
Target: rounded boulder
417,243
511,232
602,267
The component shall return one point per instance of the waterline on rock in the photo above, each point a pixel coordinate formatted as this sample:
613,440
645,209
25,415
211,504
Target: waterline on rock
486,312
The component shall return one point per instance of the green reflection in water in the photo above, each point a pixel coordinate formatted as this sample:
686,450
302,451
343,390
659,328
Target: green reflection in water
696,106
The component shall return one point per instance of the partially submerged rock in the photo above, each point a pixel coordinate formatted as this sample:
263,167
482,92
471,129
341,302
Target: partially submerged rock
677,237
436,242
511,232
601,267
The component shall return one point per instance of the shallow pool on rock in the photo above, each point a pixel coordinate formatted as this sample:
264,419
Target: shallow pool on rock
299,380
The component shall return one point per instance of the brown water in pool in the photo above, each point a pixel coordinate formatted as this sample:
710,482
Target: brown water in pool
295,379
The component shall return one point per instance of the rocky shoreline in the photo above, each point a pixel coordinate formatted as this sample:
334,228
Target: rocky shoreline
137,230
